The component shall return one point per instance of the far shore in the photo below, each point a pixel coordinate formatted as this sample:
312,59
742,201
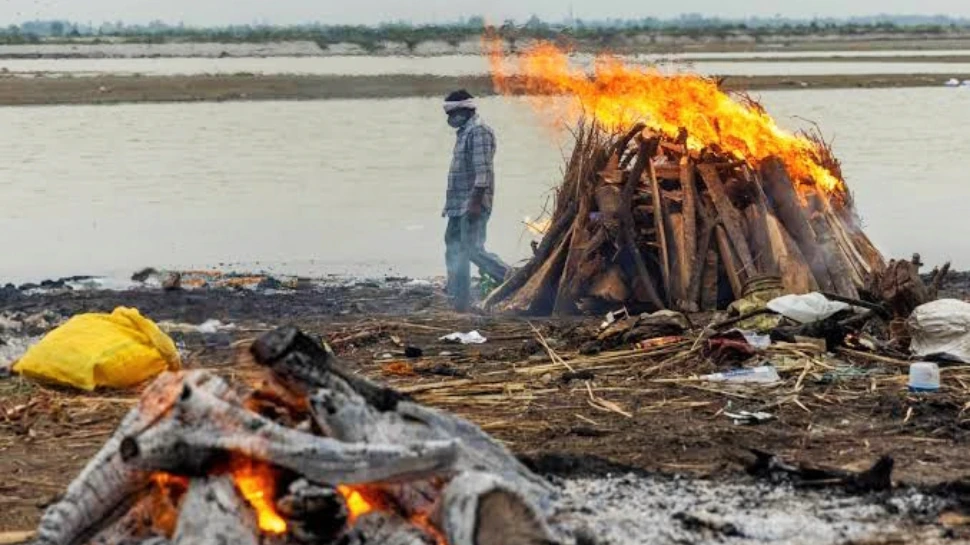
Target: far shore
21,91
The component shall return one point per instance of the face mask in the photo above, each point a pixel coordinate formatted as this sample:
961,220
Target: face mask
457,119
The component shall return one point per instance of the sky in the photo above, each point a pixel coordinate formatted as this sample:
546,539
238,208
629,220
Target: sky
215,12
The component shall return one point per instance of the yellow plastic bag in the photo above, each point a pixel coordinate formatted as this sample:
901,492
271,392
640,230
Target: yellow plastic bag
116,350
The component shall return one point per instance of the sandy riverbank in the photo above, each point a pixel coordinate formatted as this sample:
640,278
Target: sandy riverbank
17,91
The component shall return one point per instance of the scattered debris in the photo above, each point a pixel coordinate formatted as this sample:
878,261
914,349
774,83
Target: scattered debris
472,337
757,375
746,417
808,308
924,377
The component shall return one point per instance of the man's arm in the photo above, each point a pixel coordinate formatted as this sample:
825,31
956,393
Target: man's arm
483,155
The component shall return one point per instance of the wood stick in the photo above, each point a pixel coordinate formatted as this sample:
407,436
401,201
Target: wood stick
875,307
202,425
757,214
709,280
693,258
697,274
15,538
728,216
107,487
678,257
779,188
731,266
549,242
796,275
537,296
564,302
644,287
658,216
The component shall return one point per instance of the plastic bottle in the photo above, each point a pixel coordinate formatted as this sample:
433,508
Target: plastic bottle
924,377
762,375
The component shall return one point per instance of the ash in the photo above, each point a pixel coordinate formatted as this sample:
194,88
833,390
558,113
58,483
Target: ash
637,510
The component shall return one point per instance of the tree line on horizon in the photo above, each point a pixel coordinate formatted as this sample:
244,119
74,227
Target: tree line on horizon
411,34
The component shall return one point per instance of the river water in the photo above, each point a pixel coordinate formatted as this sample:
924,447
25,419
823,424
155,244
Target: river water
449,65
355,187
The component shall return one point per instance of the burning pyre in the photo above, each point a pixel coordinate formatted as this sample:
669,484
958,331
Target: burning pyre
678,195
313,455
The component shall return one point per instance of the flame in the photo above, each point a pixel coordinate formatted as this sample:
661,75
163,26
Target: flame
164,499
257,483
357,504
618,96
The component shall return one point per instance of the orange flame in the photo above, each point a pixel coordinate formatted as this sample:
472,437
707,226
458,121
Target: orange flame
357,504
257,483
618,96
164,499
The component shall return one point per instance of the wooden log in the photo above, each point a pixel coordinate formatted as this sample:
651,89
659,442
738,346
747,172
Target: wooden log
480,509
214,512
350,419
767,247
549,243
674,223
795,273
779,188
621,144
696,282
565,294
730,221
668,171
385,528
709,280
611,286
658,216
314,513
731,266
201,427
108,487
142,522
860,266
839,266
538,294
693,258
643,284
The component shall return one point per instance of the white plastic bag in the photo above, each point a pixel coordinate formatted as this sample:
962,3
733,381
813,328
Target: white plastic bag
941,329
472,337
808,308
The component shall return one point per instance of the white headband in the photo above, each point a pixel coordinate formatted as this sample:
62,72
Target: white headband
455,105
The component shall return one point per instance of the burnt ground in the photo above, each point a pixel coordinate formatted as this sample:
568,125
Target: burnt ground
621,410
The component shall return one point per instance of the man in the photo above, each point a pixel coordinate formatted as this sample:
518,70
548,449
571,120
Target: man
468,202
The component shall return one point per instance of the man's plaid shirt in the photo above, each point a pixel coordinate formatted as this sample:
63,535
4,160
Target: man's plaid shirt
471,166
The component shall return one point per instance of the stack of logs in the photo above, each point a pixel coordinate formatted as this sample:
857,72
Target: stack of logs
642,221
166,476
